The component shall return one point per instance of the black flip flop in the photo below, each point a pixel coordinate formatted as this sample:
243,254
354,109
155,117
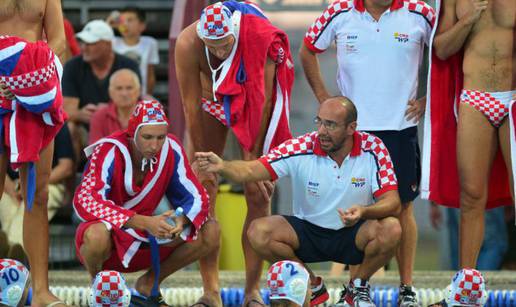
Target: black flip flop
138,300
203,304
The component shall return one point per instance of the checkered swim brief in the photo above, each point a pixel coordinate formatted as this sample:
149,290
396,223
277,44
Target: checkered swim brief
495,105
215,109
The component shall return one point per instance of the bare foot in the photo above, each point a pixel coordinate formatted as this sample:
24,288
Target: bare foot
209,299
144,286
46,299
253,299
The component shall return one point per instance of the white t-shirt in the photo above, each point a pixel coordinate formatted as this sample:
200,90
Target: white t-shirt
320,186
144,53
378,61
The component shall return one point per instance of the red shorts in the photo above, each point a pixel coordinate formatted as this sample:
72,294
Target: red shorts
140,261
27,134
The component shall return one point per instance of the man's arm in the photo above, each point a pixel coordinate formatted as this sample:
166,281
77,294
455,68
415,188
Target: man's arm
76,114
388,204
71,107
452,33
63,170
188,76
237,170
312,71
53,25
91,201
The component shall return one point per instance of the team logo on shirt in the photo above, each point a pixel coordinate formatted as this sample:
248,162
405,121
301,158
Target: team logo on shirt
313,188
400,37
351,42
357,182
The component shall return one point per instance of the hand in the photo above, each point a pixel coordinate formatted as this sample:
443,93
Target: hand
181,221
4,91
85,113
158,227
477,7
416,109
113,20
436,216
266,189
351,216
209,162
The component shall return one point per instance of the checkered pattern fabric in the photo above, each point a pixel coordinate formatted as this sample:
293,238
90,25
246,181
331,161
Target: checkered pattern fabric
300,145
86,199
10,263
146,112
288,280
492,108
30,79
215,22
421,8
274,279
386,175
320,23
109,289
468,288
215,109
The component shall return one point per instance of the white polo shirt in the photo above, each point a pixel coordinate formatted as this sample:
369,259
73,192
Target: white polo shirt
378,61
320,186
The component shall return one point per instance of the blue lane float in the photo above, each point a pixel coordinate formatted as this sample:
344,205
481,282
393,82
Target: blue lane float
382,296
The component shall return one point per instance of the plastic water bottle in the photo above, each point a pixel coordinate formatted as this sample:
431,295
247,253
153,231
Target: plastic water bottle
170,219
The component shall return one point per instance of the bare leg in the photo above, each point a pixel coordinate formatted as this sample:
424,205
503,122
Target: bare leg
274,239
185,253
257,205
379,241
4,242
214,136
407,250
3,169
35,228
96,248
476,148
336,269
504,138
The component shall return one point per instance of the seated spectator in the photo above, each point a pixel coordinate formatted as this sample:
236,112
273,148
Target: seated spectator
124,90
288,283
141,48
12,205
345,199
86,77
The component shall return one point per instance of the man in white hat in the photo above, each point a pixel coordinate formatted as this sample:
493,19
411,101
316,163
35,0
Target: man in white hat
86,77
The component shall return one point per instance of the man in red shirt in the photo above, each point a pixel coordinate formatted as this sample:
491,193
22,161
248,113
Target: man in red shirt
124,91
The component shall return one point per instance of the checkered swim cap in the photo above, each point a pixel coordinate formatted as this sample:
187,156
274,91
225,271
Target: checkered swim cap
215,22
288,280
146,112
109,289
467,289
13,279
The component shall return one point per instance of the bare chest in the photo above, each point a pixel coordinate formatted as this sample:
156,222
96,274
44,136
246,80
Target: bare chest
27,10
499,14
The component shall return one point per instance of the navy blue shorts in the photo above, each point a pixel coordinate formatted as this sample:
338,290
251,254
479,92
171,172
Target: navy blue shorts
318,244
404,150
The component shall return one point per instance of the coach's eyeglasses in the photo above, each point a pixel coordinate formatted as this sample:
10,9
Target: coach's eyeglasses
328,124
